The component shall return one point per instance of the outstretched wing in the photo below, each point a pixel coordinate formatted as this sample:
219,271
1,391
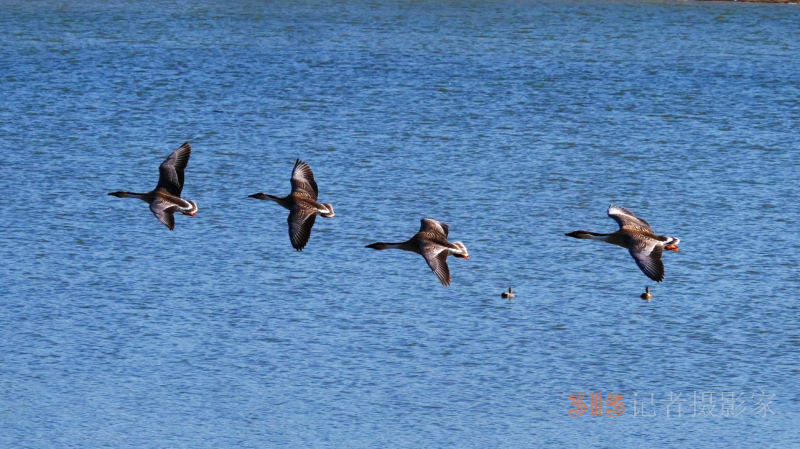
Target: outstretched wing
300,223
170,172
431,225
626,218
647,255
164,211
303,179
436,256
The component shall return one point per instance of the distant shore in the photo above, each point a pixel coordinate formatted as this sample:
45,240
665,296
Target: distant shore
752,1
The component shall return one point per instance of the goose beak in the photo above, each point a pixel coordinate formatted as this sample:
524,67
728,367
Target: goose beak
672,248
192,215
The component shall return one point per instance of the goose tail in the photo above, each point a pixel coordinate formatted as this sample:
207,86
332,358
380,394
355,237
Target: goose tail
671,244
460,251
330,213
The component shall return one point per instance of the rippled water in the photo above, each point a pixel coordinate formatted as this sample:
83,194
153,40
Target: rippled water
513,122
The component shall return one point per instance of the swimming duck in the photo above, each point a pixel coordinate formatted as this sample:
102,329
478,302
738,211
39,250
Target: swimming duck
635,234
646,294
302,204
508,294
166,199
431,243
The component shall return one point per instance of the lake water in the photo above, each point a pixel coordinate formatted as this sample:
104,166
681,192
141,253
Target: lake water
513,122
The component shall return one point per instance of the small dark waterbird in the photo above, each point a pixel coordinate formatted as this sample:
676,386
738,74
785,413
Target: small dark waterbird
646,295
431,243
509,294
166,199
302,204
635,235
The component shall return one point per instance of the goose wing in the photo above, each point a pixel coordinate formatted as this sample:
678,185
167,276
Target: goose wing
434,226
303,180
164,210
301,220
626,218
436,256
170,172
647,254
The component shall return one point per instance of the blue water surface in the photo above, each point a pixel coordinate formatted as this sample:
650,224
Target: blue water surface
513,122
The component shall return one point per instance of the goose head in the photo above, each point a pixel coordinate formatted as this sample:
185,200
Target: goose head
580,234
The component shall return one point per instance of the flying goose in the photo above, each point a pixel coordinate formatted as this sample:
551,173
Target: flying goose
166,199
302,204
431,243
635,234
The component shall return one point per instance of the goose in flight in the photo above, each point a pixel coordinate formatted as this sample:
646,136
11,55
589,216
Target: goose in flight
166,199
302,204
431,243
635,235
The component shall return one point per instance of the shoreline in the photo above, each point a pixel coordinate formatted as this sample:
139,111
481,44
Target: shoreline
751,1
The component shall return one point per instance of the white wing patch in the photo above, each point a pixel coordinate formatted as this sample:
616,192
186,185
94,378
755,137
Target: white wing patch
624,217
164,212
647,255
431,225
436,256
